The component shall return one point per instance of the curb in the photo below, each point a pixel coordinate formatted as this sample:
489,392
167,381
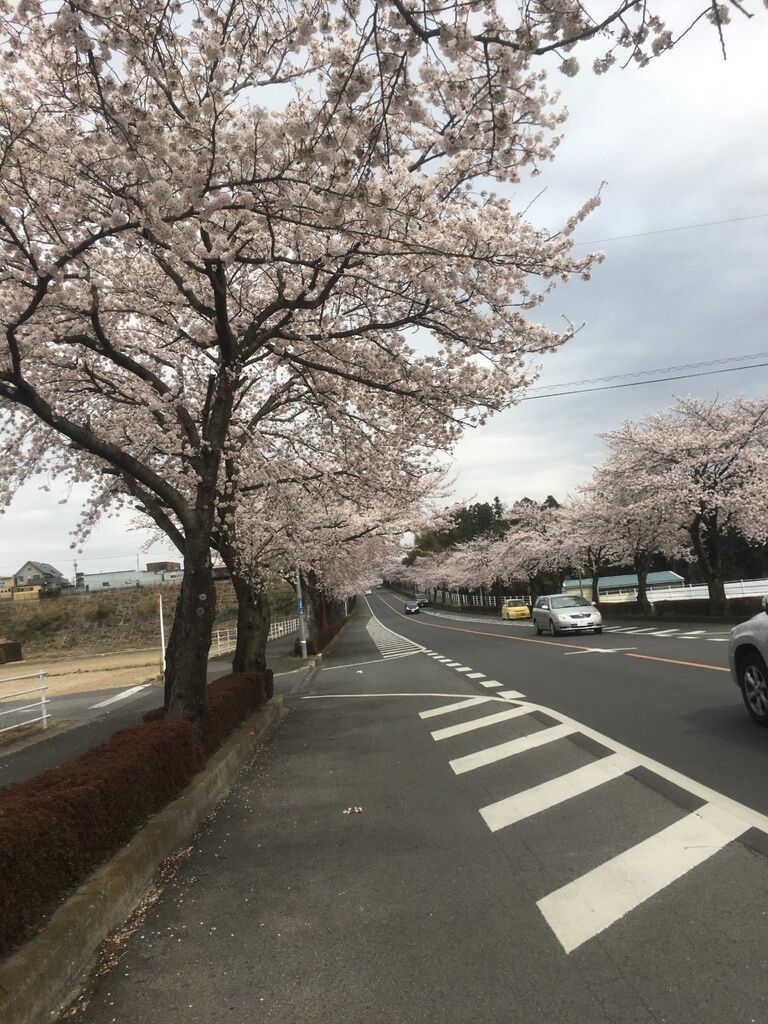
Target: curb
43,977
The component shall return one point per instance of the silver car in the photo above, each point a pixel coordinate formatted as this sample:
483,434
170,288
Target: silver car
565,613
747,656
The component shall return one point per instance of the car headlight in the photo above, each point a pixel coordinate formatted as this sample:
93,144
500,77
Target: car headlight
562,618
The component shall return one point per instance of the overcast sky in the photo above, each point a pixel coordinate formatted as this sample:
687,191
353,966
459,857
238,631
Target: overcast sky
681,142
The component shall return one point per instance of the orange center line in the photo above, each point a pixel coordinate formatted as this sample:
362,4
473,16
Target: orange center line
552,643
675,661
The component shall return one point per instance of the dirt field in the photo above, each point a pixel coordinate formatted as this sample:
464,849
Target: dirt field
96,672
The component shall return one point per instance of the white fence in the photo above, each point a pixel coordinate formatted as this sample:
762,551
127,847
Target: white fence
224,639
37,707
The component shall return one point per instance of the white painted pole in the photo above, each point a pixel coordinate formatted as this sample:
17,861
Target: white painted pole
300,609
162,631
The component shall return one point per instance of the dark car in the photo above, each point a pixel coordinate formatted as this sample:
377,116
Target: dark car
422,600
411,608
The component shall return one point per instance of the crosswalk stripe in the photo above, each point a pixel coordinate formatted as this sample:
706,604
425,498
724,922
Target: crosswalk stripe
540,798
463,668
509,694
587,906
479,723
466,702
452,664
490,684
476,675
665,632
490,755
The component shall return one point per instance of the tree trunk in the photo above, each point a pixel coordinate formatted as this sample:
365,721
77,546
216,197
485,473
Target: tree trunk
595,587
706,543
252,626
642,564
186,671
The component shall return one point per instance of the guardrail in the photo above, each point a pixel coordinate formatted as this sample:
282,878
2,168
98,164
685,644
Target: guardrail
38,705
225,638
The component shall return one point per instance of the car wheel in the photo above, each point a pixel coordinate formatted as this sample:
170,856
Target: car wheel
552,628
598,629
754,687
536,628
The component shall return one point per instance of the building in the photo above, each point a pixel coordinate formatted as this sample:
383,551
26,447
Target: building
163,566
94,582
6,588
623,584
40,574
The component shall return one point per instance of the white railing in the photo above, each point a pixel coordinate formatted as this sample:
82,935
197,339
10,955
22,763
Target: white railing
688,591
38,705
223,639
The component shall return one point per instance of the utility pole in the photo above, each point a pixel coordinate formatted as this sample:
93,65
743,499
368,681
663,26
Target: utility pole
299,604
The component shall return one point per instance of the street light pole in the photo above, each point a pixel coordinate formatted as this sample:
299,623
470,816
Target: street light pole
299,605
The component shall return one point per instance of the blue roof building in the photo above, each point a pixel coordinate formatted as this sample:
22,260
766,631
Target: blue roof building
614,584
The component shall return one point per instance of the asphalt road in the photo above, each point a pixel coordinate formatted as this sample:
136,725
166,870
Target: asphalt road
581,843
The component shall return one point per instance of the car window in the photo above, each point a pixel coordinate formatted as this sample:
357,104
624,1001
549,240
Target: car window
570,601
541,603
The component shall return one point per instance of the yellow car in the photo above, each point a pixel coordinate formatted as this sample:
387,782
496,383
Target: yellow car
514,608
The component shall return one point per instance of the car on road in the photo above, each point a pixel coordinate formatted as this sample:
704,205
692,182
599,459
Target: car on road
747,657
411,608
514,608
422,600
565,613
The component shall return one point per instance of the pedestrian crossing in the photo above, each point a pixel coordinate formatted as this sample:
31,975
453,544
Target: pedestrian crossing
676,633
388,643
588,905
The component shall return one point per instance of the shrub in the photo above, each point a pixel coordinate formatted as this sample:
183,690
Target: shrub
58,826
320,640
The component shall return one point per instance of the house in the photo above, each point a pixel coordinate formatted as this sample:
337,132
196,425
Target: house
6,588
40,574
163,566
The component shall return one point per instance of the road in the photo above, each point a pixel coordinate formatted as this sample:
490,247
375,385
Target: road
457,822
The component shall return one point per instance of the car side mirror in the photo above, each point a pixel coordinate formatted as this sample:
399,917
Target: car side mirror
764,603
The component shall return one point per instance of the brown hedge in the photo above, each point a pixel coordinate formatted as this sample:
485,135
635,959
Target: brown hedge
322,638
58,826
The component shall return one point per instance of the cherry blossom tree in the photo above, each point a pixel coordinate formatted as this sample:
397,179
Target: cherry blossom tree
706,464
205,207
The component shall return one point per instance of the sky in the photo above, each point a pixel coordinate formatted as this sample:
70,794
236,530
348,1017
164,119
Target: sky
681,142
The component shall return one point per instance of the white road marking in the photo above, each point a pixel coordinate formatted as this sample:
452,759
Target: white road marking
665,632
490,683
509,694
452,664
718,639
590,904
478,723
540,798
463,668
470,702
120,696
601,650
490,755
695,632
476,675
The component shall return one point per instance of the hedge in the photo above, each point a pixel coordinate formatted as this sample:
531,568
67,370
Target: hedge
323,637
59,826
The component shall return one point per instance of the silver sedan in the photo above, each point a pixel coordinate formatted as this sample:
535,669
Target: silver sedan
565,613
747,656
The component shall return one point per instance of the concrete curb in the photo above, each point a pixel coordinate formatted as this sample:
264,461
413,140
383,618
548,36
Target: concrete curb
43,977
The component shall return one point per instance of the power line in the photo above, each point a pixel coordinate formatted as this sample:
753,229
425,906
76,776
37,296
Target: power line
638,383
703,365
681,227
